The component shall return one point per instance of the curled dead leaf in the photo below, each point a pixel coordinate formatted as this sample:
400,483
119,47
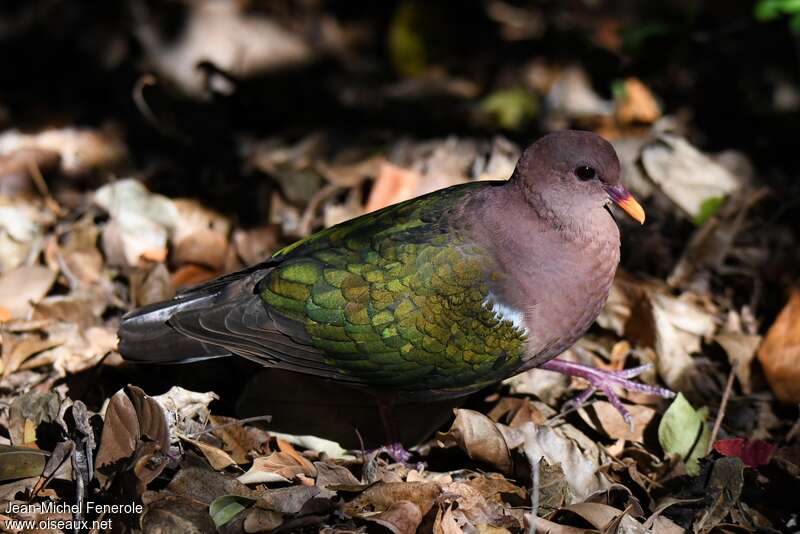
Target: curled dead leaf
779,354
479,437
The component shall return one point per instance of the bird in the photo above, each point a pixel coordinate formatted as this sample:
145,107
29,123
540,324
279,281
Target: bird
434,297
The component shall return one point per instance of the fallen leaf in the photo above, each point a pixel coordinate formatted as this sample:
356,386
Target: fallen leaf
217,458
20,229
200,236
82,150
479,437
235,40
381,496
571,96
173,513
140,223
753,453
27,411
334,475
604,418
120,436
723,490
581,470
189,275
779,354
314,443
238,439
402,517
259,520
21,462
393,184
636,103
683,431
741,349
23,286
511,108
223,509
277,467
186,411
257,244
689,178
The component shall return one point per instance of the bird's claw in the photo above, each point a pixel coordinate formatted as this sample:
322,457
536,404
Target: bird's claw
397,452
605,381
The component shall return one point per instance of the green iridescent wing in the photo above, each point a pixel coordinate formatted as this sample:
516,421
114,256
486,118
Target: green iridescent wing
397,299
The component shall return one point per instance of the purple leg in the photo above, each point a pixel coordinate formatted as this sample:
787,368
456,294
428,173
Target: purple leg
605,381
394,448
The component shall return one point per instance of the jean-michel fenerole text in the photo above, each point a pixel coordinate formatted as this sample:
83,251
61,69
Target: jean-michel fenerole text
89,508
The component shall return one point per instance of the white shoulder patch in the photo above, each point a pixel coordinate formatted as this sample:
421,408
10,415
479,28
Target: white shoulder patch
506,313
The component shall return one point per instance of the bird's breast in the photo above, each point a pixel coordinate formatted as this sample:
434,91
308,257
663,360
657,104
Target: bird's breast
557,295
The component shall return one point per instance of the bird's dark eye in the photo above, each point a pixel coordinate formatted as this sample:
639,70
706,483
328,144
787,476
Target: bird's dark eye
584,172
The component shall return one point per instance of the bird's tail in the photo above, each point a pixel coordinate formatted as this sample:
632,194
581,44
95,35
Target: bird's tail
145,336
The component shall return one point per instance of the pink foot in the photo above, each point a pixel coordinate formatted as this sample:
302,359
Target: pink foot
397,452
605,382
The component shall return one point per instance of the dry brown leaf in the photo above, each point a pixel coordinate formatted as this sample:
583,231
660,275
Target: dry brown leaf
22,286
200,236
174,513
140,223
637,105
685,175
17,350
381,495
20,232
479,437
580,459
81,150
446,523
238,41
260,520
394,184
186,411
780,352
741,349
286,447
277,467
606,419
257,244
120,436
217,458
334,475
135,428
239,440
402,517
190,275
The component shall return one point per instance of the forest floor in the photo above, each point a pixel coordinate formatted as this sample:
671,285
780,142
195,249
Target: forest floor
147,149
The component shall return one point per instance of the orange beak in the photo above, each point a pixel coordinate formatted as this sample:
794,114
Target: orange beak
623,198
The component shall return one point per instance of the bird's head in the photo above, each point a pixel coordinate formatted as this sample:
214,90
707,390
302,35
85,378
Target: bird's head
573,173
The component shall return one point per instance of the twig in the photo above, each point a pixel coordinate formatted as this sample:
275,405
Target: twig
721,414
535,461
257,418
38,179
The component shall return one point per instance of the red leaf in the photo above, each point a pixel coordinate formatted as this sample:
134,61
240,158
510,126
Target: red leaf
752,452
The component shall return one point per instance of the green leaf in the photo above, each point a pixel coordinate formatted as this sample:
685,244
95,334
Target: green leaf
618,89
708,208
768,10
683,431
794,24
21,462
512,108
407,46
225,508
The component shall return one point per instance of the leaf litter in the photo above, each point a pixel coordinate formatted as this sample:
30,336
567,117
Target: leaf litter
80,424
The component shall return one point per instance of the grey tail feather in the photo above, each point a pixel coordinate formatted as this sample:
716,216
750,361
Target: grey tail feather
145,336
